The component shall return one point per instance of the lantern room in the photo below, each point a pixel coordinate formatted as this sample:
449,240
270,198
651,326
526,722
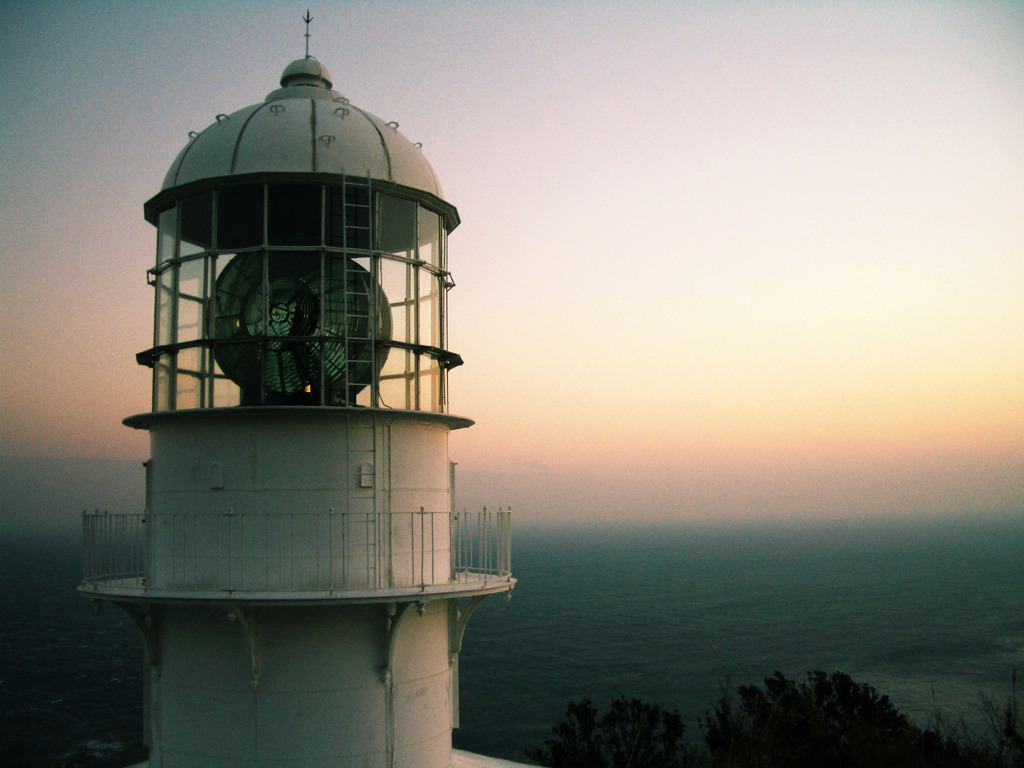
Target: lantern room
300,260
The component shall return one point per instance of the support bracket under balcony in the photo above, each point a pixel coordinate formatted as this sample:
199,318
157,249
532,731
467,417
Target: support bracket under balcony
395,617
459,614
247,621
147,619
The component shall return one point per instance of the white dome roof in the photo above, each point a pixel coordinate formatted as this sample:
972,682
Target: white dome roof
303,127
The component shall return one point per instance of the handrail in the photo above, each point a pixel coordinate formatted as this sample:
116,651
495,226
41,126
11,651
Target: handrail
321,551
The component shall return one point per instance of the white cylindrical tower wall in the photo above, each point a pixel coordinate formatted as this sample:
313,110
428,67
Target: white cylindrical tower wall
310,686
298,499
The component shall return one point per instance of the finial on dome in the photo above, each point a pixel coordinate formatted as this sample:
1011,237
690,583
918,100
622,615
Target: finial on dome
305,77
307,18
308,72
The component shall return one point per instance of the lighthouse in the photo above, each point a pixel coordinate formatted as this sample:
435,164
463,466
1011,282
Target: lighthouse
300,573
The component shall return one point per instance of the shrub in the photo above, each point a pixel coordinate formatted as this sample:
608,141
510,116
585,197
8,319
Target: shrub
631,735
820,720
825,720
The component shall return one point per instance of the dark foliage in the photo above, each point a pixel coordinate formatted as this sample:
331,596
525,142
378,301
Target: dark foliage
631,735
824,721
820,720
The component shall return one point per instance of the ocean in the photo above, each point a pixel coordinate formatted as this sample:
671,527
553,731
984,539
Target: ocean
929,611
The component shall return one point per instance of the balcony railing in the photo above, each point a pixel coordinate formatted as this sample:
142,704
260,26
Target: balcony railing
317,552
113,547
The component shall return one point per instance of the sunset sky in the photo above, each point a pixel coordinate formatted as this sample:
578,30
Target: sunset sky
717,259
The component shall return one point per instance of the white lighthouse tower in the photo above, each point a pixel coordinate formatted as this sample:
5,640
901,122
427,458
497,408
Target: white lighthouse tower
300,575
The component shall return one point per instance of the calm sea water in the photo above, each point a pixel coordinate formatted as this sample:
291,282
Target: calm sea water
929,612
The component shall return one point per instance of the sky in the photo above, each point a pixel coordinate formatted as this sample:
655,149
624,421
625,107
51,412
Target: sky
717,260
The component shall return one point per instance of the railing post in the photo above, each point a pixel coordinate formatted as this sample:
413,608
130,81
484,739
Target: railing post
423,547
86,548
346,545
330,566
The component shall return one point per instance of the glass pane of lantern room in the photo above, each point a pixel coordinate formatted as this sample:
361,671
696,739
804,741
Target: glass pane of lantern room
240,217
396,280
429,381
428,233
396,379
293,214
191,360
167,234
196,214
164,303
187,395
226,393
190,278
162,383
191,290
396,225
190,319
429,309
348,217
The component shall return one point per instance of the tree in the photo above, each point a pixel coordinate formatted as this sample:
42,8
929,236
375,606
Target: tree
819,720
631,735
823,721
1008,728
